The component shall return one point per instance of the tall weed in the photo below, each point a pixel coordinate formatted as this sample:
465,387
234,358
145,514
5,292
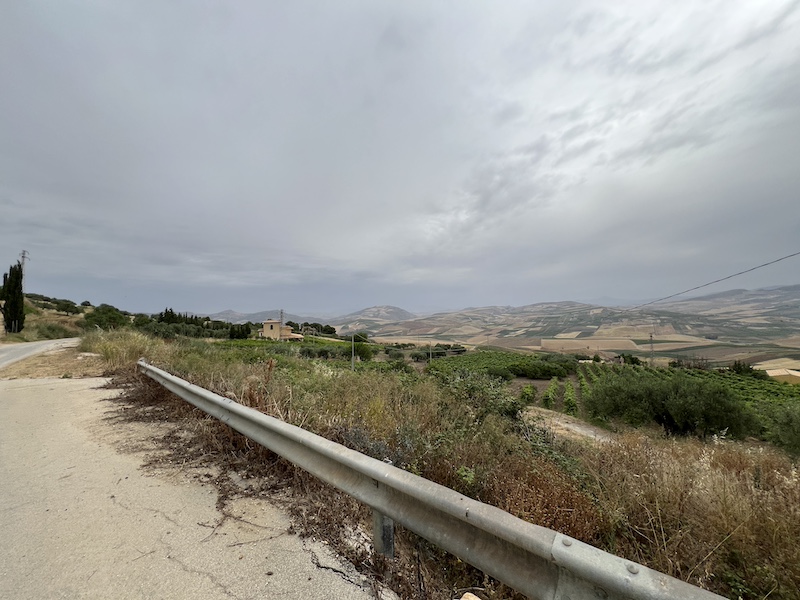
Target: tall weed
719,515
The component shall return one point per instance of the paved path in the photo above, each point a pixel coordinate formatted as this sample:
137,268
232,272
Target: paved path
80,519
11,353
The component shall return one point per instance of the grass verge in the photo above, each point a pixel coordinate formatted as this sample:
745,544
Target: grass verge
720,515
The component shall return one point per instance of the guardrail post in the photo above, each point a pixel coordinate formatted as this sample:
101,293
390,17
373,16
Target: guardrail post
383,534
383,529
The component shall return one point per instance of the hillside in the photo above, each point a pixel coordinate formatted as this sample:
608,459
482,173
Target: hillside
753,325
377,313
739,324
47,319
369,317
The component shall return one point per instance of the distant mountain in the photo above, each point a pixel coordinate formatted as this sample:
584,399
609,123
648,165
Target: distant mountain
371,319
735,317
232,316
377,313
774,302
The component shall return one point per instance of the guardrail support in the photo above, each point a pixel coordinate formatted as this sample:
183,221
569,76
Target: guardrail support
383,534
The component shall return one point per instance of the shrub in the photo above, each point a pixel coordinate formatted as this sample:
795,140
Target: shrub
742,368
785,429
680,404
308,352
54,331
500,373
105,316
68,307
570,403
630,359
551,393
527,394
394,354
364,351
483,393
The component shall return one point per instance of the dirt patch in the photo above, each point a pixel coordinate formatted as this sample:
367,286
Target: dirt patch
567,426
67,363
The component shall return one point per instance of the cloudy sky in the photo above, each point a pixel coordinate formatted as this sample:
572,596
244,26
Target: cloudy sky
328,156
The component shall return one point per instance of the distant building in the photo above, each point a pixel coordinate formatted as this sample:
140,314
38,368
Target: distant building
273,330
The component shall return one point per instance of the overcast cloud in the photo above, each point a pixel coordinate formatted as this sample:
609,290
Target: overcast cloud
327,156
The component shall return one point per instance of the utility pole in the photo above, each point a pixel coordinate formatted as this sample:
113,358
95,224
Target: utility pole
353,352
651,349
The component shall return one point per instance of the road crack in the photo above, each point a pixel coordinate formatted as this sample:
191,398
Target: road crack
345,576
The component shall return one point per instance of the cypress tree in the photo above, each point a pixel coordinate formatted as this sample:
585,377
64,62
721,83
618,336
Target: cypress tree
13,308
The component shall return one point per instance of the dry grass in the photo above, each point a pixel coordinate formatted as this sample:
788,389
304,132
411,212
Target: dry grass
122,348
720,515
66,363
47,325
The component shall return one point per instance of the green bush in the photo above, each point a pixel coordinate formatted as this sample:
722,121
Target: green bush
364,351
54,331
308,352
394,354
570,403
483,393
785,427
551,393
106,316
527,394
680,404
68,307
742,368
500,373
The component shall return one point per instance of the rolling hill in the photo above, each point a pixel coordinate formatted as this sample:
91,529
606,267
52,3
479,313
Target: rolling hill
745,324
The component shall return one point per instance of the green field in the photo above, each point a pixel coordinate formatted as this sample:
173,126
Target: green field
507,364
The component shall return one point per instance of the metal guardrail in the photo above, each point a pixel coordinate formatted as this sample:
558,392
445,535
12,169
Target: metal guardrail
539,562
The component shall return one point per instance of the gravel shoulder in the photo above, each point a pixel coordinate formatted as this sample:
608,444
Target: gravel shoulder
65,362
82,519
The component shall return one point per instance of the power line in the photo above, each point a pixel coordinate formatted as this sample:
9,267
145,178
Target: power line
772,262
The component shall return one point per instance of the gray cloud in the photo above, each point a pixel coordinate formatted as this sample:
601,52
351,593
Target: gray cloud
326,158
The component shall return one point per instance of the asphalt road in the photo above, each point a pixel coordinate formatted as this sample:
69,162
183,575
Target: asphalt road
79,518
11,353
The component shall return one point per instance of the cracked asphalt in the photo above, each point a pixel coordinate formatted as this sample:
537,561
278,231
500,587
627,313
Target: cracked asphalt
80,519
